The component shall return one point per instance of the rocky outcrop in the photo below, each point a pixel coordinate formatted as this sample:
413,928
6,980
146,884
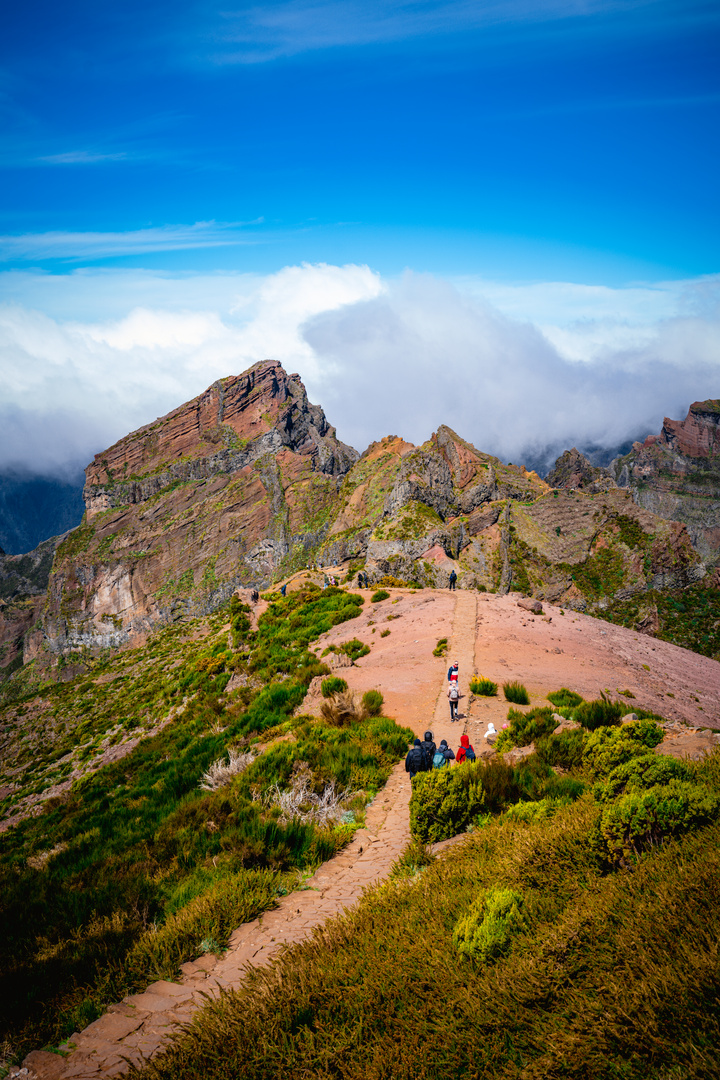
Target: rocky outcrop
220,493
676,474
573,470
23,584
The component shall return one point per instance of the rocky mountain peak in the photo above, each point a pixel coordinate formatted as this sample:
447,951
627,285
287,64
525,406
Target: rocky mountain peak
573,470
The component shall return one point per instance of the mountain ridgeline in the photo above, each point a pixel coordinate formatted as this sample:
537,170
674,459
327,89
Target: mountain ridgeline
248,483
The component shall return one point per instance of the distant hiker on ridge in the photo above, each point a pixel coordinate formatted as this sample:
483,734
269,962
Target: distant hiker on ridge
453,579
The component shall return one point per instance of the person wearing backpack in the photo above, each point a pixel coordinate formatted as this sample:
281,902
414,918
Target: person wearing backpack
443,755
429,748
453,579
453,693
415,760
465,751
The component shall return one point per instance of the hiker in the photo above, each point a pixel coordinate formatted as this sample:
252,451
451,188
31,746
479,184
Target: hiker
453,693
453,579
465,751
429,748
283,589
415,760
442,755
254,596
453,671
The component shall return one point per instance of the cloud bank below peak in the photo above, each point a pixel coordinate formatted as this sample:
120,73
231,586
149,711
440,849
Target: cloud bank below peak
522,371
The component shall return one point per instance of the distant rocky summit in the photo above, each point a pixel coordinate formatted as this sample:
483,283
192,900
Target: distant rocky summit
248,483
676,474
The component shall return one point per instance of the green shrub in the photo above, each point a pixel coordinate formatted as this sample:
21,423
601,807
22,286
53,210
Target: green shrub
500,785
516,692
563,698
643,818
445,801
483,687
596,714
376,597
373,702
486,931
354,649
534,811
639,774
565,749
609,747
333,685
525,728
441,648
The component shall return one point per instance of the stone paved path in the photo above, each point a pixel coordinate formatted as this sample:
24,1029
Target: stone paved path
141,1024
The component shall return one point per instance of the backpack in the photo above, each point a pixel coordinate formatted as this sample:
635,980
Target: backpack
454,691
428,749
439,759
470,754
417,761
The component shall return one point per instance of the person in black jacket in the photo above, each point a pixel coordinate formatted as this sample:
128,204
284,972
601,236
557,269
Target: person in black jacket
429,748
415,760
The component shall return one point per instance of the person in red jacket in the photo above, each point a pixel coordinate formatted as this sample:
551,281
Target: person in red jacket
465,751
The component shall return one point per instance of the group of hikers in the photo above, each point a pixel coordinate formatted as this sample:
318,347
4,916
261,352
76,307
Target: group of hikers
425,755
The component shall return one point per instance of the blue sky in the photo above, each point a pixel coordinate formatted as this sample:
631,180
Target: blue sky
395,192
573,139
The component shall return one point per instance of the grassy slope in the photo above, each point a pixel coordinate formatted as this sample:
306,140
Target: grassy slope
137,869
612,973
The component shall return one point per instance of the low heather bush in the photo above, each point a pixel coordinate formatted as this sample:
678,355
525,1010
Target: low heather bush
596,714
565,749
564,698
643,818
376,597
372,702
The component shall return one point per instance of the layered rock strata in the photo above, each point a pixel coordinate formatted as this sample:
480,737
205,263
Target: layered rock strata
676,474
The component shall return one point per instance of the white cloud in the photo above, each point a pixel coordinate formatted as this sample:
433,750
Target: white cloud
81,157
96,245
269,31
515,369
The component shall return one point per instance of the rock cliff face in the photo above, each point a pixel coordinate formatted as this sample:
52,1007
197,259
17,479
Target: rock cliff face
23,585
221,492
676,474
248,483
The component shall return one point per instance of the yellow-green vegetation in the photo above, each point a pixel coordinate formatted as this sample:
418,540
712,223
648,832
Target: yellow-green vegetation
142,864
483,687
526,951
378,596
441,648
332,685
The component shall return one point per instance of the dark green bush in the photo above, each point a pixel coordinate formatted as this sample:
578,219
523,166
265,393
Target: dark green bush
516,692
445,801
564,698
564,749
333,685
376,597
525,728
596,714
373,702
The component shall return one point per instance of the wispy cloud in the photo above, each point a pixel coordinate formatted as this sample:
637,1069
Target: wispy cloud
81,157
268,32
98,245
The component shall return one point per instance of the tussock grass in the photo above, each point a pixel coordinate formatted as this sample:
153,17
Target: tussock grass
516,692
607,975
483,687
126,876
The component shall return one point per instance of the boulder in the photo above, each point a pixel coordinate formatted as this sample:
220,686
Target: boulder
529,604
